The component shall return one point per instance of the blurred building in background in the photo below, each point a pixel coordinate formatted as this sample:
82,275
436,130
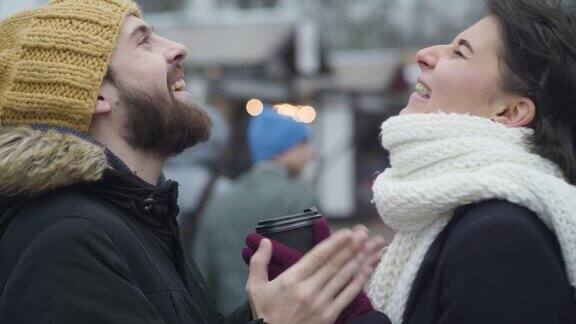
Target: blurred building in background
277,53
9,7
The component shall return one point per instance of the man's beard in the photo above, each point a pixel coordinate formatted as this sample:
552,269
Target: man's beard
161,124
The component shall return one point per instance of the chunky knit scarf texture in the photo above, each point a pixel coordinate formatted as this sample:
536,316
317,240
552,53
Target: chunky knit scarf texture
442,161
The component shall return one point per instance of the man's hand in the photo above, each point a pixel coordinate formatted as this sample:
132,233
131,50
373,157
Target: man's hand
319,286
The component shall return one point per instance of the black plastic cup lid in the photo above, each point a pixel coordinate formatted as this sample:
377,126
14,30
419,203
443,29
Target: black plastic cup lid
312,211
286,223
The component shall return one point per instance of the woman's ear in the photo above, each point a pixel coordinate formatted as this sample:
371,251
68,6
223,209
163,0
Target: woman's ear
518,113
102,105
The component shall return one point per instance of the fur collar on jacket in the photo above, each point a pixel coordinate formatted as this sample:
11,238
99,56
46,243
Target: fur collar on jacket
34,161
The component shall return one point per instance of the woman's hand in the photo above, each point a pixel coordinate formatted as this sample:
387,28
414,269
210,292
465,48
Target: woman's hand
319,286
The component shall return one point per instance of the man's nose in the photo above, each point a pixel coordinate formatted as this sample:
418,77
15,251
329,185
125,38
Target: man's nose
175,53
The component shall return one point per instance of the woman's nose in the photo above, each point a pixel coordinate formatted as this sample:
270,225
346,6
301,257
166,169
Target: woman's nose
428,57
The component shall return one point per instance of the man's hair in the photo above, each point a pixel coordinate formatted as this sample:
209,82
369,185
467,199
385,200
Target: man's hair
110,76
538,61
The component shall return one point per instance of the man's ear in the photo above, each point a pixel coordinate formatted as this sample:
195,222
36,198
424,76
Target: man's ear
104,102
517,113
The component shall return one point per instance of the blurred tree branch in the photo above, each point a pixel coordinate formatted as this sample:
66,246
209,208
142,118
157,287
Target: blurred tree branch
366,24
159,6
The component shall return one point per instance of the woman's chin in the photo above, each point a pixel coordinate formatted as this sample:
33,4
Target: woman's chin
416,104
412,110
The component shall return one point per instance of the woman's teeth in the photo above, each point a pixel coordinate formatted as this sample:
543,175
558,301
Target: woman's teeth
422,90
178,85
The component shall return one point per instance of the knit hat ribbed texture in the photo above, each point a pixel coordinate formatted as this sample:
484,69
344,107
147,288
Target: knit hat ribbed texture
270,134
53,60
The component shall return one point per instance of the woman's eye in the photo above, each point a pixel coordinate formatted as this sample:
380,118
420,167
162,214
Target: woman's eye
458,53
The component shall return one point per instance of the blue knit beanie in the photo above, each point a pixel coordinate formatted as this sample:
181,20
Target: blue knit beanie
270,134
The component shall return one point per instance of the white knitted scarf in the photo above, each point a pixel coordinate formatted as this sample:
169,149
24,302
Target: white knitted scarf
442,161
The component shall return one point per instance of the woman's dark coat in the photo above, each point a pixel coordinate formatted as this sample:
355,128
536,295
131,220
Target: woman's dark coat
494,263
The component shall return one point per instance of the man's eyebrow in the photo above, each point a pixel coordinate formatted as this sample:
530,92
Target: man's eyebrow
466,43
142,29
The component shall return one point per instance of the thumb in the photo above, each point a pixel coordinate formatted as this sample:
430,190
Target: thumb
259,264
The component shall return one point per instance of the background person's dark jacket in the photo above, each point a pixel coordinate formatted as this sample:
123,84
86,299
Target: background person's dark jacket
100,252
494,263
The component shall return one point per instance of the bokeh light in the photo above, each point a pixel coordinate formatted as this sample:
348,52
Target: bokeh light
307,114
254,107
286,110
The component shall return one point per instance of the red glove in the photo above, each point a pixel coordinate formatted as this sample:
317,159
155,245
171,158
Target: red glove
283,257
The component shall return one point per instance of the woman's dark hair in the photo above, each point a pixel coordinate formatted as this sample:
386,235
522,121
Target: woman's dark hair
538,61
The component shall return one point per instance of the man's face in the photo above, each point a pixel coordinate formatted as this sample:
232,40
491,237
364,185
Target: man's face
160,116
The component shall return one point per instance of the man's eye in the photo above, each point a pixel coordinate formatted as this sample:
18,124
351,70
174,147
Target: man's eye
144,40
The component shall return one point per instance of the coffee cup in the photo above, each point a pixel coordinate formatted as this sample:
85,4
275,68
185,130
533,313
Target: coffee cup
295,231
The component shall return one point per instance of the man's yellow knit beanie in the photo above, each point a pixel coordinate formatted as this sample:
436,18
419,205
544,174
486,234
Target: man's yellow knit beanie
53,60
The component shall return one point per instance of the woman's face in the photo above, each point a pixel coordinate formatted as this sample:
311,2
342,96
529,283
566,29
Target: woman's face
461,77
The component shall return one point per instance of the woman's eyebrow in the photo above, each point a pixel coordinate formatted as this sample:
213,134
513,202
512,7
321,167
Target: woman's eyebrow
466,43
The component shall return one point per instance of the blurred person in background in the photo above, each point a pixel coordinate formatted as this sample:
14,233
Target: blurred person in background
92,104
481,185
280,148
198,173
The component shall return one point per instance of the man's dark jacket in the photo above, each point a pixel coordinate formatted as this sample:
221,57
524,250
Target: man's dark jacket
104,251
